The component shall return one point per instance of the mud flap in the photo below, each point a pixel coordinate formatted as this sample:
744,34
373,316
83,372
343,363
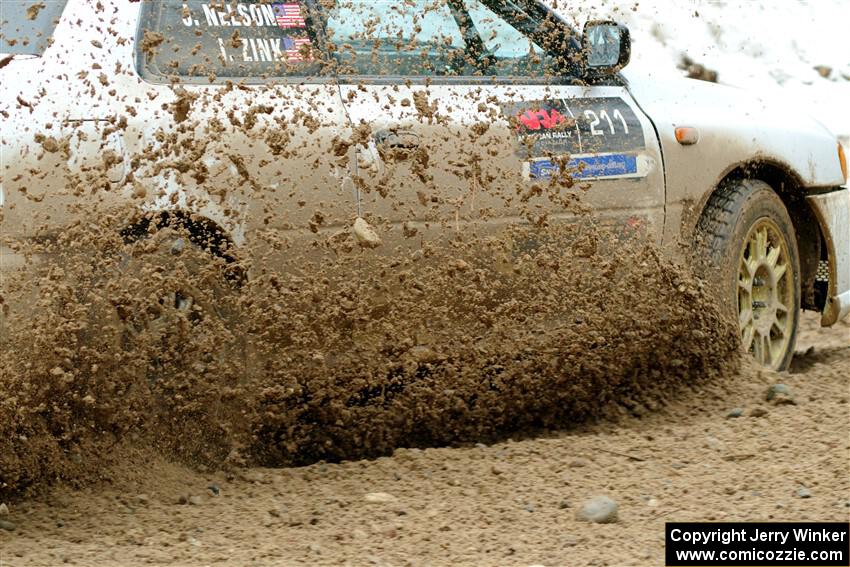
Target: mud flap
833,213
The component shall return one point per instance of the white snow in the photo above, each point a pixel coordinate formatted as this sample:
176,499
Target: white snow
770,47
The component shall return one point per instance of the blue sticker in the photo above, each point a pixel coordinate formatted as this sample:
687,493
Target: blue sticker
587,167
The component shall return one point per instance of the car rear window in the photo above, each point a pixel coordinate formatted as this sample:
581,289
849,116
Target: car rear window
223,39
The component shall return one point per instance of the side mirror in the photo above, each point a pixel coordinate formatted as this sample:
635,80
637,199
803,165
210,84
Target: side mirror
606,46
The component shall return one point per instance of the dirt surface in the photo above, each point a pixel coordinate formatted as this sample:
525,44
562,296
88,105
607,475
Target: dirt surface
511,503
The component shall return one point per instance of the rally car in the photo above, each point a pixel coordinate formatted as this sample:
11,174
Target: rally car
398,121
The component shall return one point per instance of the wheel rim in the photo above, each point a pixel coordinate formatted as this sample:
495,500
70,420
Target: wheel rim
765,294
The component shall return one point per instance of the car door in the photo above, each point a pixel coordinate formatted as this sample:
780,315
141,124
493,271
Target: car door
260,121
225,116
569,133
417,127
463,126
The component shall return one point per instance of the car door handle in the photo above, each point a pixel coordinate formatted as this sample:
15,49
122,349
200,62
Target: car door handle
396,139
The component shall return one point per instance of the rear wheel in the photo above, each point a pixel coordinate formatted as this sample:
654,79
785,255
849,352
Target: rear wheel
748,240
173,299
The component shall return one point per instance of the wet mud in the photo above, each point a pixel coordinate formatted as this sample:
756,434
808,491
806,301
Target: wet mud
147,340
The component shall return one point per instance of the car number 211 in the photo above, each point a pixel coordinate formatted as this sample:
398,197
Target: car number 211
596,120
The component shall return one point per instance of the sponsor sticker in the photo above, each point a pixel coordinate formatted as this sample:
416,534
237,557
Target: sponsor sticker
602,136
588,167
544,128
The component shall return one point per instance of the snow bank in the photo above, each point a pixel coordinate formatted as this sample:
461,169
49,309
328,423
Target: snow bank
772,47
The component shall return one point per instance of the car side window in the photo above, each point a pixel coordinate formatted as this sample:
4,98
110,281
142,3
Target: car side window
410,38
422,38
512,53
28,26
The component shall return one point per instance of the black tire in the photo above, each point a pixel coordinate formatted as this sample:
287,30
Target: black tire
170,292
764,298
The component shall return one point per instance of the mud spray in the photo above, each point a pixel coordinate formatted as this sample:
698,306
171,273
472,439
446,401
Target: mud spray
150,342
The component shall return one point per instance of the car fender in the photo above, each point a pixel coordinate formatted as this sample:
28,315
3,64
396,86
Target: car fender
736,128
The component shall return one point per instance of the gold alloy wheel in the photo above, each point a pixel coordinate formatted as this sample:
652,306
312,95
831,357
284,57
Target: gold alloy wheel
765,294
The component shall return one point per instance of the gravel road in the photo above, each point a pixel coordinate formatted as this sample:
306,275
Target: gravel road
512,503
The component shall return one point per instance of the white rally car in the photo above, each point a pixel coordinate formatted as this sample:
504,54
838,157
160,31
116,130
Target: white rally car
392,118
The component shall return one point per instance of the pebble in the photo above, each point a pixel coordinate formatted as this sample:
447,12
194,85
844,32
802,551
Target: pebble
564,504
143,499
423,355
758,411
4,510
380,498
497,469
365,234
578,463
735,412
7,525
255,478
823,70
195,500
779,394
804,492
599,510
214,488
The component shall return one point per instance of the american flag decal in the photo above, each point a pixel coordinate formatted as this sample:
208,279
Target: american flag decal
289,16
292,49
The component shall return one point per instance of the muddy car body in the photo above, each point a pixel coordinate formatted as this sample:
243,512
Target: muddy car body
280,126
